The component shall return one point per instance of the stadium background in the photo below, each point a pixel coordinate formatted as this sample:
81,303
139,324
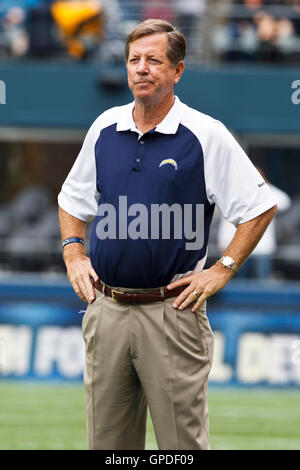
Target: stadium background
61,65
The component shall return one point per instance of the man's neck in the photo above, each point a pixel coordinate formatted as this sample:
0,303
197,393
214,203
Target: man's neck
148,115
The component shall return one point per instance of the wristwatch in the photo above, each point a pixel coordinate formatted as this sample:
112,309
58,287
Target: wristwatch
229,263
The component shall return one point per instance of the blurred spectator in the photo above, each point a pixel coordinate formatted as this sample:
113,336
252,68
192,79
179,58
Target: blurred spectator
29,222
118,23
276,36
43,28
14,35
189,14
158,9
29,204
288,231
5,221
81,25
40,27
130,11
295,5
260,263
37,236
261,30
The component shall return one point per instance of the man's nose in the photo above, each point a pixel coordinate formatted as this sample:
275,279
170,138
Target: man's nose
142,66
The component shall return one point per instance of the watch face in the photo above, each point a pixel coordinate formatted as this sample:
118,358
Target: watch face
227,261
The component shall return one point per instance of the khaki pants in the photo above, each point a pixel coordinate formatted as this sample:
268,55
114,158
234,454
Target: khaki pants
146,354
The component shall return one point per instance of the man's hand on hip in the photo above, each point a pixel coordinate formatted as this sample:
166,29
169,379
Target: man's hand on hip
80,272
201,286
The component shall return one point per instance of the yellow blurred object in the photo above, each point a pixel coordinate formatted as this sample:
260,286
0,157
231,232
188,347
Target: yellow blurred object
75,48
77,21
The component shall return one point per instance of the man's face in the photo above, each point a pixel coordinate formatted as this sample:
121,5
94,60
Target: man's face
151,76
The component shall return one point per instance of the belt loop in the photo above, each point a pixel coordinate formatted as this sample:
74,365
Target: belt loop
162,292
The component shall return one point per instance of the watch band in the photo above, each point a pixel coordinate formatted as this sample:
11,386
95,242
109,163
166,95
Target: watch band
228,262
72,240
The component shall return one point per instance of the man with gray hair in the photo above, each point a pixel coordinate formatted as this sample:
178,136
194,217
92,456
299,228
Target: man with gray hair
147,336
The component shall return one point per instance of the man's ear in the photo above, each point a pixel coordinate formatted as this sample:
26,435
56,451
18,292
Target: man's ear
179,71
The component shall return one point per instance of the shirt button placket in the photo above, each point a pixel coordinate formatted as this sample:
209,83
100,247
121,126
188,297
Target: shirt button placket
139,155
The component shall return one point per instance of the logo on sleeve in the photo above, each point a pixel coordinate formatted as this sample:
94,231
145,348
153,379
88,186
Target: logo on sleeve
168,161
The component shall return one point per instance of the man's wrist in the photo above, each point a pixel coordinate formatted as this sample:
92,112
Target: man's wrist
72,251
229,263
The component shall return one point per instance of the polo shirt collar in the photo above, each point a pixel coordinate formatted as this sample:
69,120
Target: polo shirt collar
169,125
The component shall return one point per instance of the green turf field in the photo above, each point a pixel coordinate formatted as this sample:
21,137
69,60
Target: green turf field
53,417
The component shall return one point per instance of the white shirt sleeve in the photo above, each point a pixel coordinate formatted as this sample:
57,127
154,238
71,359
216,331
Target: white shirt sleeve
79,195
232,181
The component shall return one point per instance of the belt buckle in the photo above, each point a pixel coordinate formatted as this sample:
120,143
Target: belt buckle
113,292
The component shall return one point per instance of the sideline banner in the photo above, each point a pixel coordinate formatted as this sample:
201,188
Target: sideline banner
40,334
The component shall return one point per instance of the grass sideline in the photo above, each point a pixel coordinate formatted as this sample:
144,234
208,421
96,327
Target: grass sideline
38,416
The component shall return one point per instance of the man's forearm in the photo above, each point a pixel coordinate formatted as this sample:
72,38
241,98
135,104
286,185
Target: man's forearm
248,235
71,227
79,269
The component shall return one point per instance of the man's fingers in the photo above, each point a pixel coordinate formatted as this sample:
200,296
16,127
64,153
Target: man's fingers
180,282
183,302
78,291
94,275
83,287
191,298
88,289
182,297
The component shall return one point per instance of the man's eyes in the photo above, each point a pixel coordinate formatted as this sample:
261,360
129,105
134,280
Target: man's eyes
152,60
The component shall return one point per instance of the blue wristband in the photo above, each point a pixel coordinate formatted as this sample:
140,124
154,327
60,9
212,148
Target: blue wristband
72,240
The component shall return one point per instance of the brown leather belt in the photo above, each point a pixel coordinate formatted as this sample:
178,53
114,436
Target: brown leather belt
137,297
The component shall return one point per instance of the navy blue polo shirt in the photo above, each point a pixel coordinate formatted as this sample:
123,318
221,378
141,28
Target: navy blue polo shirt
152,196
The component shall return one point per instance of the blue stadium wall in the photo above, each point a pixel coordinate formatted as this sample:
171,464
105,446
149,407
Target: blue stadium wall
257,99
